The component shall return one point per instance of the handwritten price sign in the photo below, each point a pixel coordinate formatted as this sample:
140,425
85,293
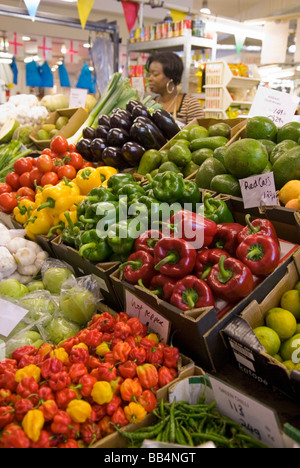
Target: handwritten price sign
259,191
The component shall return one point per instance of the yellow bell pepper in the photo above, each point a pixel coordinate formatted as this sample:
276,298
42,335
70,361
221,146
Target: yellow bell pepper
57,199
135,412
33,422
87,179
79,410
102,392
23,210
39,223
28,371
102,349
105,173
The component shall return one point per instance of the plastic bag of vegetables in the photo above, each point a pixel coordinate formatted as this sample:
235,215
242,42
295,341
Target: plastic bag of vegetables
60,328
39,304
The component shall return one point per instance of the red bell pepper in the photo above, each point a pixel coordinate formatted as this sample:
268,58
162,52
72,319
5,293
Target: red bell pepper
230,280
148,240
257,226
226,237
205,260
192,293
191,227
161,285
260,253
174,257
140,265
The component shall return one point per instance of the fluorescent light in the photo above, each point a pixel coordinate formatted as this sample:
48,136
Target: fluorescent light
33,58
6,55
26,38
6,60
205,10
87,45
292,49
63,49
91,69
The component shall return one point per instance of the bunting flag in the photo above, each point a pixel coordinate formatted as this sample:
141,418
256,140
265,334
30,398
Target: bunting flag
15,71
64,76
45,48
131,11
32,7
86,79
15,45
239,41
177,15
33,77
72,51
84,9
46,76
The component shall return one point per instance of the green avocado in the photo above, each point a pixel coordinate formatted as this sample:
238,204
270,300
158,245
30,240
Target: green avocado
280,149
287,167
289,131
199,156
189,169
207,171
209,142
269,145
245,158
226,183
168,166
180,155
219,154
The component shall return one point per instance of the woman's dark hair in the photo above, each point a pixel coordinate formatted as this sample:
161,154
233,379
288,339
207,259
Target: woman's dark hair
172,65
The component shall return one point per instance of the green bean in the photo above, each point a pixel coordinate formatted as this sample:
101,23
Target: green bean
146,434
179,438
211,437
187,434
172,422
250,441
166,433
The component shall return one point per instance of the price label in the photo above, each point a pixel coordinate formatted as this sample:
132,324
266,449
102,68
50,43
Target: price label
277,106
77,98
257,419
135,307
259,190
10,316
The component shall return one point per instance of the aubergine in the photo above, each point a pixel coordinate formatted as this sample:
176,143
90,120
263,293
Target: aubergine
113,157
166,123
97,147
131,104
154,129
83,147
140,110
123,112
120,121
142,134
104,120
132,153
102,131
88,133
117,137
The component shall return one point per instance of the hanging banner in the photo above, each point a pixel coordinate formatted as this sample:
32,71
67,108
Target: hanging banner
131,11
32,7
177,15
84,9
15,45
44,48
72,52
297,39
64,76
274,45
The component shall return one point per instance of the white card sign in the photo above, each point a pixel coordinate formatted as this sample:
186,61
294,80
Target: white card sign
135,307
259,190
277,106
259,420
10,316
77,98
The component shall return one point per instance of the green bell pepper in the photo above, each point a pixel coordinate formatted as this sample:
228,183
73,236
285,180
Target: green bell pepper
216,210
119,238
93,247
168,187
131,191
101,194
97,211
71,232
116,181
191,194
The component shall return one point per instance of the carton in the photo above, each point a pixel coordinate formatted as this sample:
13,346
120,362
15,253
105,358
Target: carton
197,332
76,117
82,267
246,351
115,440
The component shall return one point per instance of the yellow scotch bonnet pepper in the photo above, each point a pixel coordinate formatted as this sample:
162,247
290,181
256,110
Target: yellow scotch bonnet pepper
102,349
102,392
33,422
28,371
135,412
61,354
79,410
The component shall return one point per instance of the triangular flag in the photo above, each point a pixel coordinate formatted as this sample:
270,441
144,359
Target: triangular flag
131,12
239,41
32,7
84,10
177,15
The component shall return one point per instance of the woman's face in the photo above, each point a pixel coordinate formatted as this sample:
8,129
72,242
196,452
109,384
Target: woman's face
157,79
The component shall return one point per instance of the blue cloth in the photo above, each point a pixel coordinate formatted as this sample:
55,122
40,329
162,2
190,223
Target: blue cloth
64,76
33,77
87,79
46,76
15,71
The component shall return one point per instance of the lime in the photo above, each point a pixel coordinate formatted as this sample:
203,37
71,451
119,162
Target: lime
245,157
290,349
220,129
197,132
261,128
297,367
42,135
61,122
297,286
48,127
289,365
282,321
297,328
268,338
289,131
290,300
277,357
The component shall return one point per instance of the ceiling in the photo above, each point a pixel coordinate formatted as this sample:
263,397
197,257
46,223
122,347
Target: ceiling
240,10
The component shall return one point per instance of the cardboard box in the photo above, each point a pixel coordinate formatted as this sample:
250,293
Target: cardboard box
76,117
245,349
115,440
197,332
82,267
